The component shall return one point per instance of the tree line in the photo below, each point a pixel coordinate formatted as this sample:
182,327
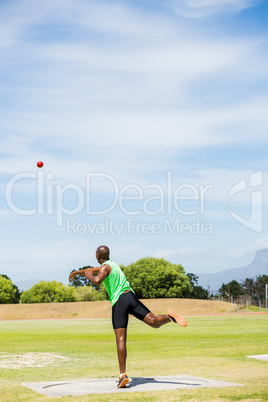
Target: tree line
253,287
149,278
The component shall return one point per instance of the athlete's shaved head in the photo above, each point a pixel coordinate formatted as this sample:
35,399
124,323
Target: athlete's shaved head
103,253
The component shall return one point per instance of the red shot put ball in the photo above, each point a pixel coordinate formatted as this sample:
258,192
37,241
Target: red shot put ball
40,164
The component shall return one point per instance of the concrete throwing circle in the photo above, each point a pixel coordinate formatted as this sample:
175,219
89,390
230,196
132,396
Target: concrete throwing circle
259,357
137,384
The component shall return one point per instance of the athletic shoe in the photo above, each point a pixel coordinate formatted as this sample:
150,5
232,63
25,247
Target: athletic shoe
175,317
123,381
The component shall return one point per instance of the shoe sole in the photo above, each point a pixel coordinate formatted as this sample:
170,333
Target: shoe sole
123,383
178,318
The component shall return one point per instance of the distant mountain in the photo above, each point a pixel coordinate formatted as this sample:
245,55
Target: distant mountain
259,266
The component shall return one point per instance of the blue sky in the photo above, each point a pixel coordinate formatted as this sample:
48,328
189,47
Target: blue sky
163,102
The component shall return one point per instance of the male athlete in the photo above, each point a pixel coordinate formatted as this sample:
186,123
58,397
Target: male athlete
124,302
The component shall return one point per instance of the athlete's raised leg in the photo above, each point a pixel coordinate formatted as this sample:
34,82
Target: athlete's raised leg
156,321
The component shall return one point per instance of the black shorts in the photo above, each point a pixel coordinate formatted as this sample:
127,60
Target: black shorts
127,304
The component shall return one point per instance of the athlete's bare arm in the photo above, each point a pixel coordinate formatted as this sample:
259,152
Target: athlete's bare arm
104,271
82,272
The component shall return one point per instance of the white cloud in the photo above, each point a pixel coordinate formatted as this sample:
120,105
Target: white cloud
213,259
110,87
77,95
137,129
43,259
36,20
205,8
262,243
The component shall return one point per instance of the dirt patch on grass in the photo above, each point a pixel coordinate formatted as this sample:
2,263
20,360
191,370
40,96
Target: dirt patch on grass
30,360
102,309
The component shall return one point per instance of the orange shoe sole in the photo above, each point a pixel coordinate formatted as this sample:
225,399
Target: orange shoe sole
123,383
179,319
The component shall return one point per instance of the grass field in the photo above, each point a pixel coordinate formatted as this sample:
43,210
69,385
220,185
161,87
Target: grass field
212,347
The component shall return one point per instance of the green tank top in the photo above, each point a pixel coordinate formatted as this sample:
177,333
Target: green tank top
116,282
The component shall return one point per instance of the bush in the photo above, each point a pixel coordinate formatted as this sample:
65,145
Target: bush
86,293
49,292
8,292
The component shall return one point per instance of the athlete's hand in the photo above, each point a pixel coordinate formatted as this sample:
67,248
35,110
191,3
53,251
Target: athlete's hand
71,276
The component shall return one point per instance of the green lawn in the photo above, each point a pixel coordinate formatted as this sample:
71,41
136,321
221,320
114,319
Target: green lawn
212,347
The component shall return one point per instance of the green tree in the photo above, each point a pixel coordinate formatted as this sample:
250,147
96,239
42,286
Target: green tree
157,278
197,291
80,280
7,290
102,293
255,287
48,292
236,289
87,294
261,281
249,287
17,293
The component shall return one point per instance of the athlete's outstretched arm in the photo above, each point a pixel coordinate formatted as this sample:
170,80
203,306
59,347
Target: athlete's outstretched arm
104,271
82,272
